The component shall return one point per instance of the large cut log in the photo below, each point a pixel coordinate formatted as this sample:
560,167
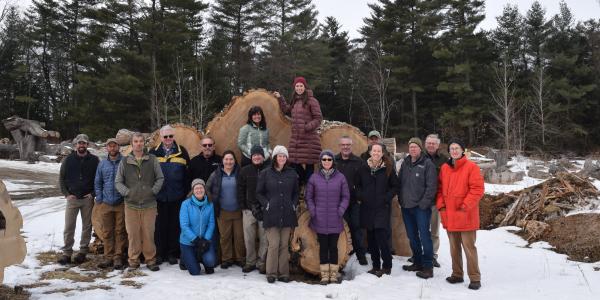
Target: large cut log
400,242
186,136
12,244
9,151
304,241
225,126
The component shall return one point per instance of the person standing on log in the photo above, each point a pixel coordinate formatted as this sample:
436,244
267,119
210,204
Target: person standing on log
438,157
110,208
277,191
139,179
305,143
254,133
460,189
174,161
77,173
327,197
377,187
202,165
222,190
197,221
252,213
418,186
349,165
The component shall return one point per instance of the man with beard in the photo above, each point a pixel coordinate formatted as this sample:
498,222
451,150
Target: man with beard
110,209
77,173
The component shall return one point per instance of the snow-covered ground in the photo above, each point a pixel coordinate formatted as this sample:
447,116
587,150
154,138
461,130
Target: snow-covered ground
510,270
37,167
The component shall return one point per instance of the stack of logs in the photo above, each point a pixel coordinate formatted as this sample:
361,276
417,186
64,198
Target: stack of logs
550,199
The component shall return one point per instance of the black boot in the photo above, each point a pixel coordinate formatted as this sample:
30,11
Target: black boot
412,268
454,279
475,285
79,258
64,259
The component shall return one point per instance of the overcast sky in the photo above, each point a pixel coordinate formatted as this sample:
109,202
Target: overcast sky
350,13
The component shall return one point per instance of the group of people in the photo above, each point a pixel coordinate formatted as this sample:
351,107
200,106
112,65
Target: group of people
162,206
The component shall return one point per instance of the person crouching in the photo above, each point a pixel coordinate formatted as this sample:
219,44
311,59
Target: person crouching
197,221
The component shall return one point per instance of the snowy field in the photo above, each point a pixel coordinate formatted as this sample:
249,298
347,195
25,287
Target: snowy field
510,270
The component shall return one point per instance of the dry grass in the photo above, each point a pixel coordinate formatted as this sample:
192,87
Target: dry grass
16,293
131,283
71,275
47,258
35,285
87,288
133,273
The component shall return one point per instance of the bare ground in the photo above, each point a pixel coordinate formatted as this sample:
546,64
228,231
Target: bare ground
41,178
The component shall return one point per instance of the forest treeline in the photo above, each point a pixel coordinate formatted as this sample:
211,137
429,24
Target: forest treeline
531,83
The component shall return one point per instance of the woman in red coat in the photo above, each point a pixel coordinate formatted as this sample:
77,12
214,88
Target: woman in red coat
305,144
459,190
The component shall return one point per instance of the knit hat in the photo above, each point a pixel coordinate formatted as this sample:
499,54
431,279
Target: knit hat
198,181
417,141
300,79
280,150
374,133
328,153
256,149
458,142
81,138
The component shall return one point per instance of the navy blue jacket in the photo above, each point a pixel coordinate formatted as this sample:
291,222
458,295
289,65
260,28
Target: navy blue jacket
175,169
104,184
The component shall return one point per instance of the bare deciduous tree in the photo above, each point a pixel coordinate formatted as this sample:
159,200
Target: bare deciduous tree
540,103
505,102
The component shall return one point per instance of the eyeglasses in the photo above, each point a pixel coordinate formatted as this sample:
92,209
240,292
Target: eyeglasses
326,159
82,143
207,145
170,136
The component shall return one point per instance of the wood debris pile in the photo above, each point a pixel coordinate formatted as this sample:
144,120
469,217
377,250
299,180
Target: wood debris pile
550,199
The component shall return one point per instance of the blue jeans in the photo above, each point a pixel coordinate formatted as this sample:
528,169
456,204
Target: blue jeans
417,222
188,258
352,217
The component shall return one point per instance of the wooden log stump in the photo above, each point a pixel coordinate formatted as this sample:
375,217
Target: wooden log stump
12,244
304,241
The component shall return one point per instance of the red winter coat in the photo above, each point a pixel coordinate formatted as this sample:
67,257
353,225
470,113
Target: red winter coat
305,143
459,190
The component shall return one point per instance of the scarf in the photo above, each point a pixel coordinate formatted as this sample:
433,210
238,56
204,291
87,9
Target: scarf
327,173
375,166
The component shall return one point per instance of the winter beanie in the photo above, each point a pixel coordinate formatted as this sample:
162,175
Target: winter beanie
301,80
280,150
417,141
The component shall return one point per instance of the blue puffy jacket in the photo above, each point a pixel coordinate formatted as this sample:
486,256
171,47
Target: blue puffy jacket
175,169
197,219
104,183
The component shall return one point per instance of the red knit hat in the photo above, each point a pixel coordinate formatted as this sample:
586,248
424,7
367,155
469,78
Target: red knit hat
301,80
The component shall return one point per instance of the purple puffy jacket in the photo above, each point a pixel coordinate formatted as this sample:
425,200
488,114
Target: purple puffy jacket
327,201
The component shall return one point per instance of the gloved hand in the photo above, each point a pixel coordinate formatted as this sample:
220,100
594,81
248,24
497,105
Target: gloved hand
257,213
202,246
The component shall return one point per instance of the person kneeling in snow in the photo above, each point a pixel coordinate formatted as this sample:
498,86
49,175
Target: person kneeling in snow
197,221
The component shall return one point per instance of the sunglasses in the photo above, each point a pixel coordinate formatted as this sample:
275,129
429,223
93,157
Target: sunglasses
207,145
327,159
170,136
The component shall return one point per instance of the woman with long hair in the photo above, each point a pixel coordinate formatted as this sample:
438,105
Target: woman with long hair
305,144
377,187
253,133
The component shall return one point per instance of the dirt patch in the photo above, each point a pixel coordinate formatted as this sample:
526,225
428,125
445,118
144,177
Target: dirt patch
40,178
16,293
578,236
131,283
72,275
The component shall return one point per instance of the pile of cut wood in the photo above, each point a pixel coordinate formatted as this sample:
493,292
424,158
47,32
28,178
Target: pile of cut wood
550,199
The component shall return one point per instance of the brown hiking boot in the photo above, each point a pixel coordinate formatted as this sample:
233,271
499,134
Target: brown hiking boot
412,268
374,272
454,279
425,273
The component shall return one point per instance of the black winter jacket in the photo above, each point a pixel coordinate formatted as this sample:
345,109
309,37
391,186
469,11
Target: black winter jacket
350,168
376,191
77,174
277,192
